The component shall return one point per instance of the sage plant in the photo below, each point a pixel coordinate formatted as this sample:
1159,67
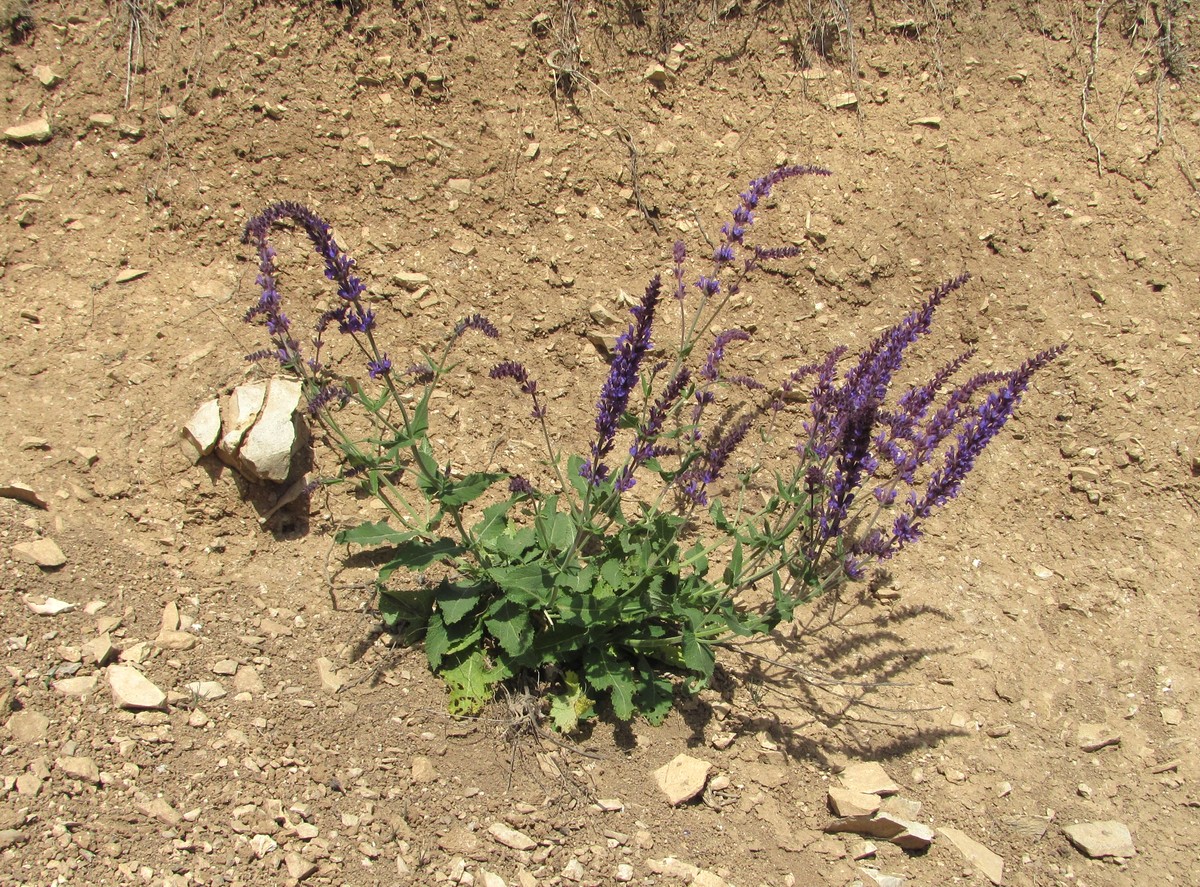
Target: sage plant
618,597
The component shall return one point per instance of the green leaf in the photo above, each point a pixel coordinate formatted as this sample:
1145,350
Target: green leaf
527,584
570,706
491,528
578,483
405,606
437,642
417,554
510,626
456,601
655,694
468,684
697,656
470,488
372,534
606,671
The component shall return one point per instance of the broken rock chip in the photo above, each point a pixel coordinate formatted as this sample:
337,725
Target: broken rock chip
44,553
201,432
238,414
1101,839
35,132
868,778
848,803
131,689
510,837
23,492
987,862
1093,737
81,768
47,606
683,778
28,726
267,450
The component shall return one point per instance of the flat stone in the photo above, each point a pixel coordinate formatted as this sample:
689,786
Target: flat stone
267,450
160,809
915,836
844,101
510,837
410,280
23,492
28,726
175,640
238,414
78,686
47,606
869,778
331,682
262,845
47,76
987,862
847,803
34,132
298,867
102,121
247,680
81,768
44,553
202,431
1093,737
1101,839
99,649
875,878
682,779
422,770
131,689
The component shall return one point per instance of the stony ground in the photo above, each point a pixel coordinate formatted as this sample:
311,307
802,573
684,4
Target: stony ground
212,702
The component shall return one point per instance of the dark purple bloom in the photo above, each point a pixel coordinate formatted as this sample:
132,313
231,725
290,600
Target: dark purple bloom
679,254
723,254
716,353
644,447
710,286
722,441
479,323
631,349
381,367
420,372
326,396
510,369
520,486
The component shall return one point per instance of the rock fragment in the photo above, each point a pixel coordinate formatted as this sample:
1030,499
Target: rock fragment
682,779
161,809
25,493
34,132
131,689
331,681
267,449
847,803
987,862
1100,839
298,867
77,686
422,770
47,606
844,101
47,76
510,837
1093,737
45,553
27,727
81,768
868,778
201,432
238,415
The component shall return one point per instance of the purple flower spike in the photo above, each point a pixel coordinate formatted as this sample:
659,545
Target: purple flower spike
631,349
510,369
716,353
479,323
381,367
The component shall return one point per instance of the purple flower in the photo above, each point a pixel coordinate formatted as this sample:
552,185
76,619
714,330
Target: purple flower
479,323
520,486
716,353
420,372
644,447
325,396
510,369
381,367
710,286
722,441
631,349
679,254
